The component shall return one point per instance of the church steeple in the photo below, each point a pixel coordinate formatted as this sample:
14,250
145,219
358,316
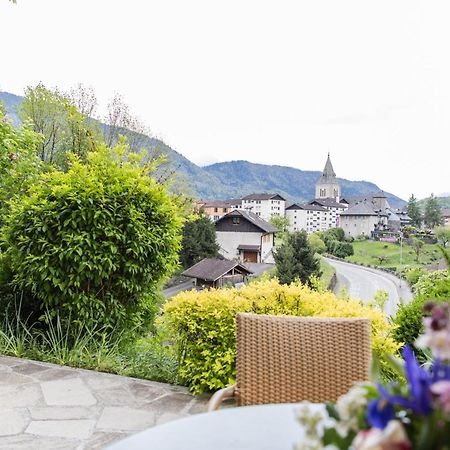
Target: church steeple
328,172
328,186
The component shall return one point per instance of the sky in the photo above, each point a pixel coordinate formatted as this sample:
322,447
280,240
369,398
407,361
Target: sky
272,82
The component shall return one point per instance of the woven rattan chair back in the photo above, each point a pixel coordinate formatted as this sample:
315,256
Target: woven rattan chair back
284,359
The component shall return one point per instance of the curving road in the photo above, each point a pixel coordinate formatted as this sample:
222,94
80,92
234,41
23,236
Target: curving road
363,282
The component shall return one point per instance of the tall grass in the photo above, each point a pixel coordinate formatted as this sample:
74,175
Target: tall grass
54,340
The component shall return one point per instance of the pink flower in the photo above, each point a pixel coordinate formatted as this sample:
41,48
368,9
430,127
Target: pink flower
393,437
442,390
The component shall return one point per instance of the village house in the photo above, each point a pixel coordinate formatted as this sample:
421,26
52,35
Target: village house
245,236
216,273
361,220
311,218
265,205
215,209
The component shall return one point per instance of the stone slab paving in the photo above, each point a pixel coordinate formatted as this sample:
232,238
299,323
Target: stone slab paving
46,406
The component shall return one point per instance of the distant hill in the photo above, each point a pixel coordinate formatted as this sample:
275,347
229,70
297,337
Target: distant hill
444,202
244,178
234,178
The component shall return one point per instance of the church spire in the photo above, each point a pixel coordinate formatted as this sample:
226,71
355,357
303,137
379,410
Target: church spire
327,185
328,171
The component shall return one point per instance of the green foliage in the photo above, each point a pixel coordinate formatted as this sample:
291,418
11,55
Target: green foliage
199,241
442,235
295,260
335,243
413,274
417,245
413,210
316,243
432,215
202,325
19,165
93,244
408,320
64,128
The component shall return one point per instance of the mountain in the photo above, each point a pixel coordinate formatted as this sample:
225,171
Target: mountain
244,178
234,178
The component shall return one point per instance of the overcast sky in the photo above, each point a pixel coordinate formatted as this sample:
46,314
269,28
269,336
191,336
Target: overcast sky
279,82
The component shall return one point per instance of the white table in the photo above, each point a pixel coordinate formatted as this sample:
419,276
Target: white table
262,427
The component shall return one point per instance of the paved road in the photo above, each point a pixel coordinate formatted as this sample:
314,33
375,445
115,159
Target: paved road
363,283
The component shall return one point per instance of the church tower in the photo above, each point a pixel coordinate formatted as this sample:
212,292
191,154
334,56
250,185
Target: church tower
327,186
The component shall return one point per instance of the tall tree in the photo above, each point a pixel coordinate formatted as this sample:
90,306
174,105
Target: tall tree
414,212
65,129
433,214
198,241
442,235
295,259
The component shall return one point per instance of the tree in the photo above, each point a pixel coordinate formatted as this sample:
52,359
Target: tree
198,241
433,214
295,259
19,165
94,243
317,245
417,245
414,212
442,235
64,128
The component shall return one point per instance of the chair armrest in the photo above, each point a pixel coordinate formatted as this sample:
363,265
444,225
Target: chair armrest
220,396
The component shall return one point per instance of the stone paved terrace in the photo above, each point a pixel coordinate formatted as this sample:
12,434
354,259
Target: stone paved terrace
46,406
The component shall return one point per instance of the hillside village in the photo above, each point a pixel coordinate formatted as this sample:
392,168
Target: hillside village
244,230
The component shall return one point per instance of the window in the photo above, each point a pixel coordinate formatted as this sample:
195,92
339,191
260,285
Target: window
236,220
216,209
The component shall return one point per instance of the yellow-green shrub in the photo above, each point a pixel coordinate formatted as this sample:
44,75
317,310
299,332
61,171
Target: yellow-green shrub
202,324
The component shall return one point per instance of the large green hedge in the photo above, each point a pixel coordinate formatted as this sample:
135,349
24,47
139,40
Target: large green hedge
433,286
92,244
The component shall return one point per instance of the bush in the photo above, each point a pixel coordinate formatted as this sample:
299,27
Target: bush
316,243
339,249
413,274
92,244
408,320
202,325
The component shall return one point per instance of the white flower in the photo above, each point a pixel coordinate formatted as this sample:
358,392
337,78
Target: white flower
349,406
312,417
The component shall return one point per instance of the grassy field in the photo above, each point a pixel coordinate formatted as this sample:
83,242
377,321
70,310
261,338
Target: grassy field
387,255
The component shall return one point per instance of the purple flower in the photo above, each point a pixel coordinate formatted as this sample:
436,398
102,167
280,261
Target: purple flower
419,382
379,413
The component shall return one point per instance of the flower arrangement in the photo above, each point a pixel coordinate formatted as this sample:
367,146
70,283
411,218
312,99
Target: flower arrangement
411,413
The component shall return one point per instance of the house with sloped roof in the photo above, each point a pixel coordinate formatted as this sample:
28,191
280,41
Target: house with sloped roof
361,220
310,218
215,273
244,236
264,205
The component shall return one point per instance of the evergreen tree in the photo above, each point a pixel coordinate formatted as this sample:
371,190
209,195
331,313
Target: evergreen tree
433,214
413,211
199,241
296,260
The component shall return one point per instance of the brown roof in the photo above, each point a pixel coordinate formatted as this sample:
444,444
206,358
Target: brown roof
252,218
255,248
211,269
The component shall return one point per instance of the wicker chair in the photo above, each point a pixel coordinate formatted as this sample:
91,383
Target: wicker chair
285,359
